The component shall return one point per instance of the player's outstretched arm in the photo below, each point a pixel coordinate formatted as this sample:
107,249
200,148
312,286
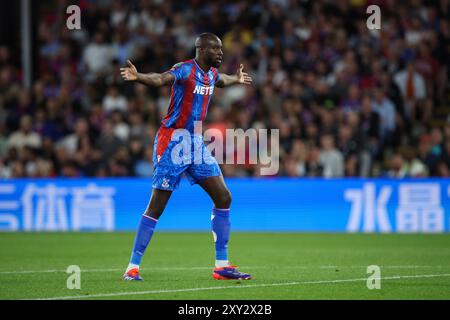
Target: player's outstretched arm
130,73
239,77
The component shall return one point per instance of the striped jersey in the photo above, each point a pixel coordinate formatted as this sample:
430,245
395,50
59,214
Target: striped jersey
190,95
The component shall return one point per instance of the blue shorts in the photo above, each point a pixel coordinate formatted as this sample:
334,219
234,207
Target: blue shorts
186,154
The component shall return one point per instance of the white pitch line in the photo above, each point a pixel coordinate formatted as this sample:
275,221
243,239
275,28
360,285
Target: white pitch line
207,268
115,294
113,269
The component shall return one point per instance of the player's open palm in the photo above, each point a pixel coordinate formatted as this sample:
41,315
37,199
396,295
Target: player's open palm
129,73
242,76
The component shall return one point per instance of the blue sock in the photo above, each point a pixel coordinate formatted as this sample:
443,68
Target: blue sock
221,232
143,235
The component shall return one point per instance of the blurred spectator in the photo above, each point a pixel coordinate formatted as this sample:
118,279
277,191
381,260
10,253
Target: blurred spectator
98,55
412,87
397,167
71,142
113,101
425,155
352,102
24,137
108,142
370,120
144,166
314,167
416,168
386,110
331,158
436,142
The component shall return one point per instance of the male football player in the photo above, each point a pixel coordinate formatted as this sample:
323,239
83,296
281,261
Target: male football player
193,83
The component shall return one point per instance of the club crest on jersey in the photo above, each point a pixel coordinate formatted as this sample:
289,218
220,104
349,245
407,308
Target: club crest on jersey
165,183
204,90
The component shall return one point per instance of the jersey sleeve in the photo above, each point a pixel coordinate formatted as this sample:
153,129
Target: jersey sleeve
179,71
217,75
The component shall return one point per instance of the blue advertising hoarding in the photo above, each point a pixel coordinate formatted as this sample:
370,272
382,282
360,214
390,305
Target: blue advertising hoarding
278,204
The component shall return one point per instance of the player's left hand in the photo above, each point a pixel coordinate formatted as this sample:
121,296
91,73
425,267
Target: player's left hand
243,77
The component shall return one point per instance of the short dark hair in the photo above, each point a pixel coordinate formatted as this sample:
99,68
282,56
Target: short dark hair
203,38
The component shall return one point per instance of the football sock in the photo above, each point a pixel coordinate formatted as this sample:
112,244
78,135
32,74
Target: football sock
220,221
143,235
222,263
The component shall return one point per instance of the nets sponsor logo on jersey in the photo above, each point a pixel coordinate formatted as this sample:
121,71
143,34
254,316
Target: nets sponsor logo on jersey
204,90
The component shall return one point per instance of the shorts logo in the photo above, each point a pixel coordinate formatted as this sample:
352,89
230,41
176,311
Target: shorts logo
165,183
158,158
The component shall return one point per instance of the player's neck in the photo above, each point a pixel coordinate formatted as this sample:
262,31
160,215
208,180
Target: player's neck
202,65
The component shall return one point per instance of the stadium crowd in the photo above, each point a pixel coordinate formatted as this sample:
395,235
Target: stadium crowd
348,101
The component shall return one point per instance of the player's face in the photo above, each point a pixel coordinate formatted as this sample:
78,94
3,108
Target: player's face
213,53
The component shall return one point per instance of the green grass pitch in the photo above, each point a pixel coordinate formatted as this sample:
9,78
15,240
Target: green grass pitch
178,266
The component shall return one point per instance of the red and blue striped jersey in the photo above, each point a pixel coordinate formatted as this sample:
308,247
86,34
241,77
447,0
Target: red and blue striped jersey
190,95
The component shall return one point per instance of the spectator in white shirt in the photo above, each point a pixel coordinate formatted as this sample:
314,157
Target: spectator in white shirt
331,158
113,100
411,83
97,55
412,86
24,137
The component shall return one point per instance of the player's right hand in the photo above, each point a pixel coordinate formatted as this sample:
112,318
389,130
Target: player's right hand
129,73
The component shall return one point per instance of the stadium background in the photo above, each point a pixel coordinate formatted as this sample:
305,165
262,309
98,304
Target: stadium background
368,107
364,137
